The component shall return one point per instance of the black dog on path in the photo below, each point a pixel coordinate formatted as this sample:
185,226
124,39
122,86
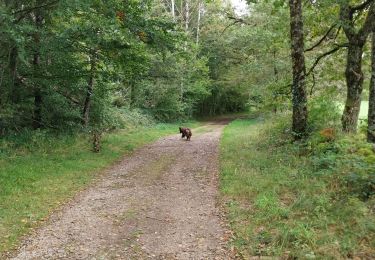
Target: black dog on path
185,132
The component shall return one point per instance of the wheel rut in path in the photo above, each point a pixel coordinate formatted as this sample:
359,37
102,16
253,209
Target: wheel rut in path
159,203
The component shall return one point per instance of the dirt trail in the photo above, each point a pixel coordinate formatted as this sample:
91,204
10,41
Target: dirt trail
159,203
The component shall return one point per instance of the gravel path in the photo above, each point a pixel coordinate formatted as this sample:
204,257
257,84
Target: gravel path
159,203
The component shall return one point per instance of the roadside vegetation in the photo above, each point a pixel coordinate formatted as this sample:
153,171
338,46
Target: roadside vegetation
83,82
312,199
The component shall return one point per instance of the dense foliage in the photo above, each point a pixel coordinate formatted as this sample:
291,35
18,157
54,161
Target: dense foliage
69,63
64,64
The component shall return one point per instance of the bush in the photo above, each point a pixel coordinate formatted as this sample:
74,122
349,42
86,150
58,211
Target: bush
348,159
323,113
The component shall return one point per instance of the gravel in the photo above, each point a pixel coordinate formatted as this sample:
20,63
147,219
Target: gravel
159,203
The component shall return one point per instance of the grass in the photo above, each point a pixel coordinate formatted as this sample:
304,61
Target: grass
364,110
40,173
292,201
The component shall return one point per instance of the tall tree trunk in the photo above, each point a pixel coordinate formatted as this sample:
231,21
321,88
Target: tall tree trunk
198,21
357,38
371,112
173,10
354,81
186,21
90,88
182,13
187,15
299,98
13,73
38,99
276,75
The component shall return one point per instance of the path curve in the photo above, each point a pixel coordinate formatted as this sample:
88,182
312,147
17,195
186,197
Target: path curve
159,203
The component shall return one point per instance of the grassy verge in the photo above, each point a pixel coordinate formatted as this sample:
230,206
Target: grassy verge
297,201
45,171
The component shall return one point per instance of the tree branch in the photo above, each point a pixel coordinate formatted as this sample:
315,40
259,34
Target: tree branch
29,10
313,85
25,12
229,25
68,97
237,20
337,48
360,7
322,39
369,24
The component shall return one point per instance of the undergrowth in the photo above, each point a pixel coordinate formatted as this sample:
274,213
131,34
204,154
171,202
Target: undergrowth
298,200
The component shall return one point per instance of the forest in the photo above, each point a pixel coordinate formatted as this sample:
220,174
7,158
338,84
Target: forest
85,82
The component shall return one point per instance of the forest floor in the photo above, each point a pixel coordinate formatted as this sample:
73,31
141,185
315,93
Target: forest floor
161,202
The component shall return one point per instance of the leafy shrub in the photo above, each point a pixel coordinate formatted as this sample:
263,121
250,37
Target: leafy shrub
298,200
136,117
350,159
361,184
323,113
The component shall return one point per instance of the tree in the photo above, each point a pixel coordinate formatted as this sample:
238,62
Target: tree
299,96
356,41
371,112
39,21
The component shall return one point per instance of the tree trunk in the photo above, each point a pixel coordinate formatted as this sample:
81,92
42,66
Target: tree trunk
299,98
371,111
13,73
357,38
187,15
90,88
354,81
276,75
173,10
38,100
198,21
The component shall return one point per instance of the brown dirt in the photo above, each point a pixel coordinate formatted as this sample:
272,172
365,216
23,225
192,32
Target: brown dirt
159,203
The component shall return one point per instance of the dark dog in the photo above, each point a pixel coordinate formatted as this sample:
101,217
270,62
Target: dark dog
185,132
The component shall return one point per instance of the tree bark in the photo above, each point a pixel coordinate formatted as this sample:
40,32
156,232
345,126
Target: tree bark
90,88
299,98
354,81
187,15
173,10
371,112
354,76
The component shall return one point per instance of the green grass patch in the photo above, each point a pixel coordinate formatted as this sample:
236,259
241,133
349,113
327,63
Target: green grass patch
297,201
363,112
42,171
